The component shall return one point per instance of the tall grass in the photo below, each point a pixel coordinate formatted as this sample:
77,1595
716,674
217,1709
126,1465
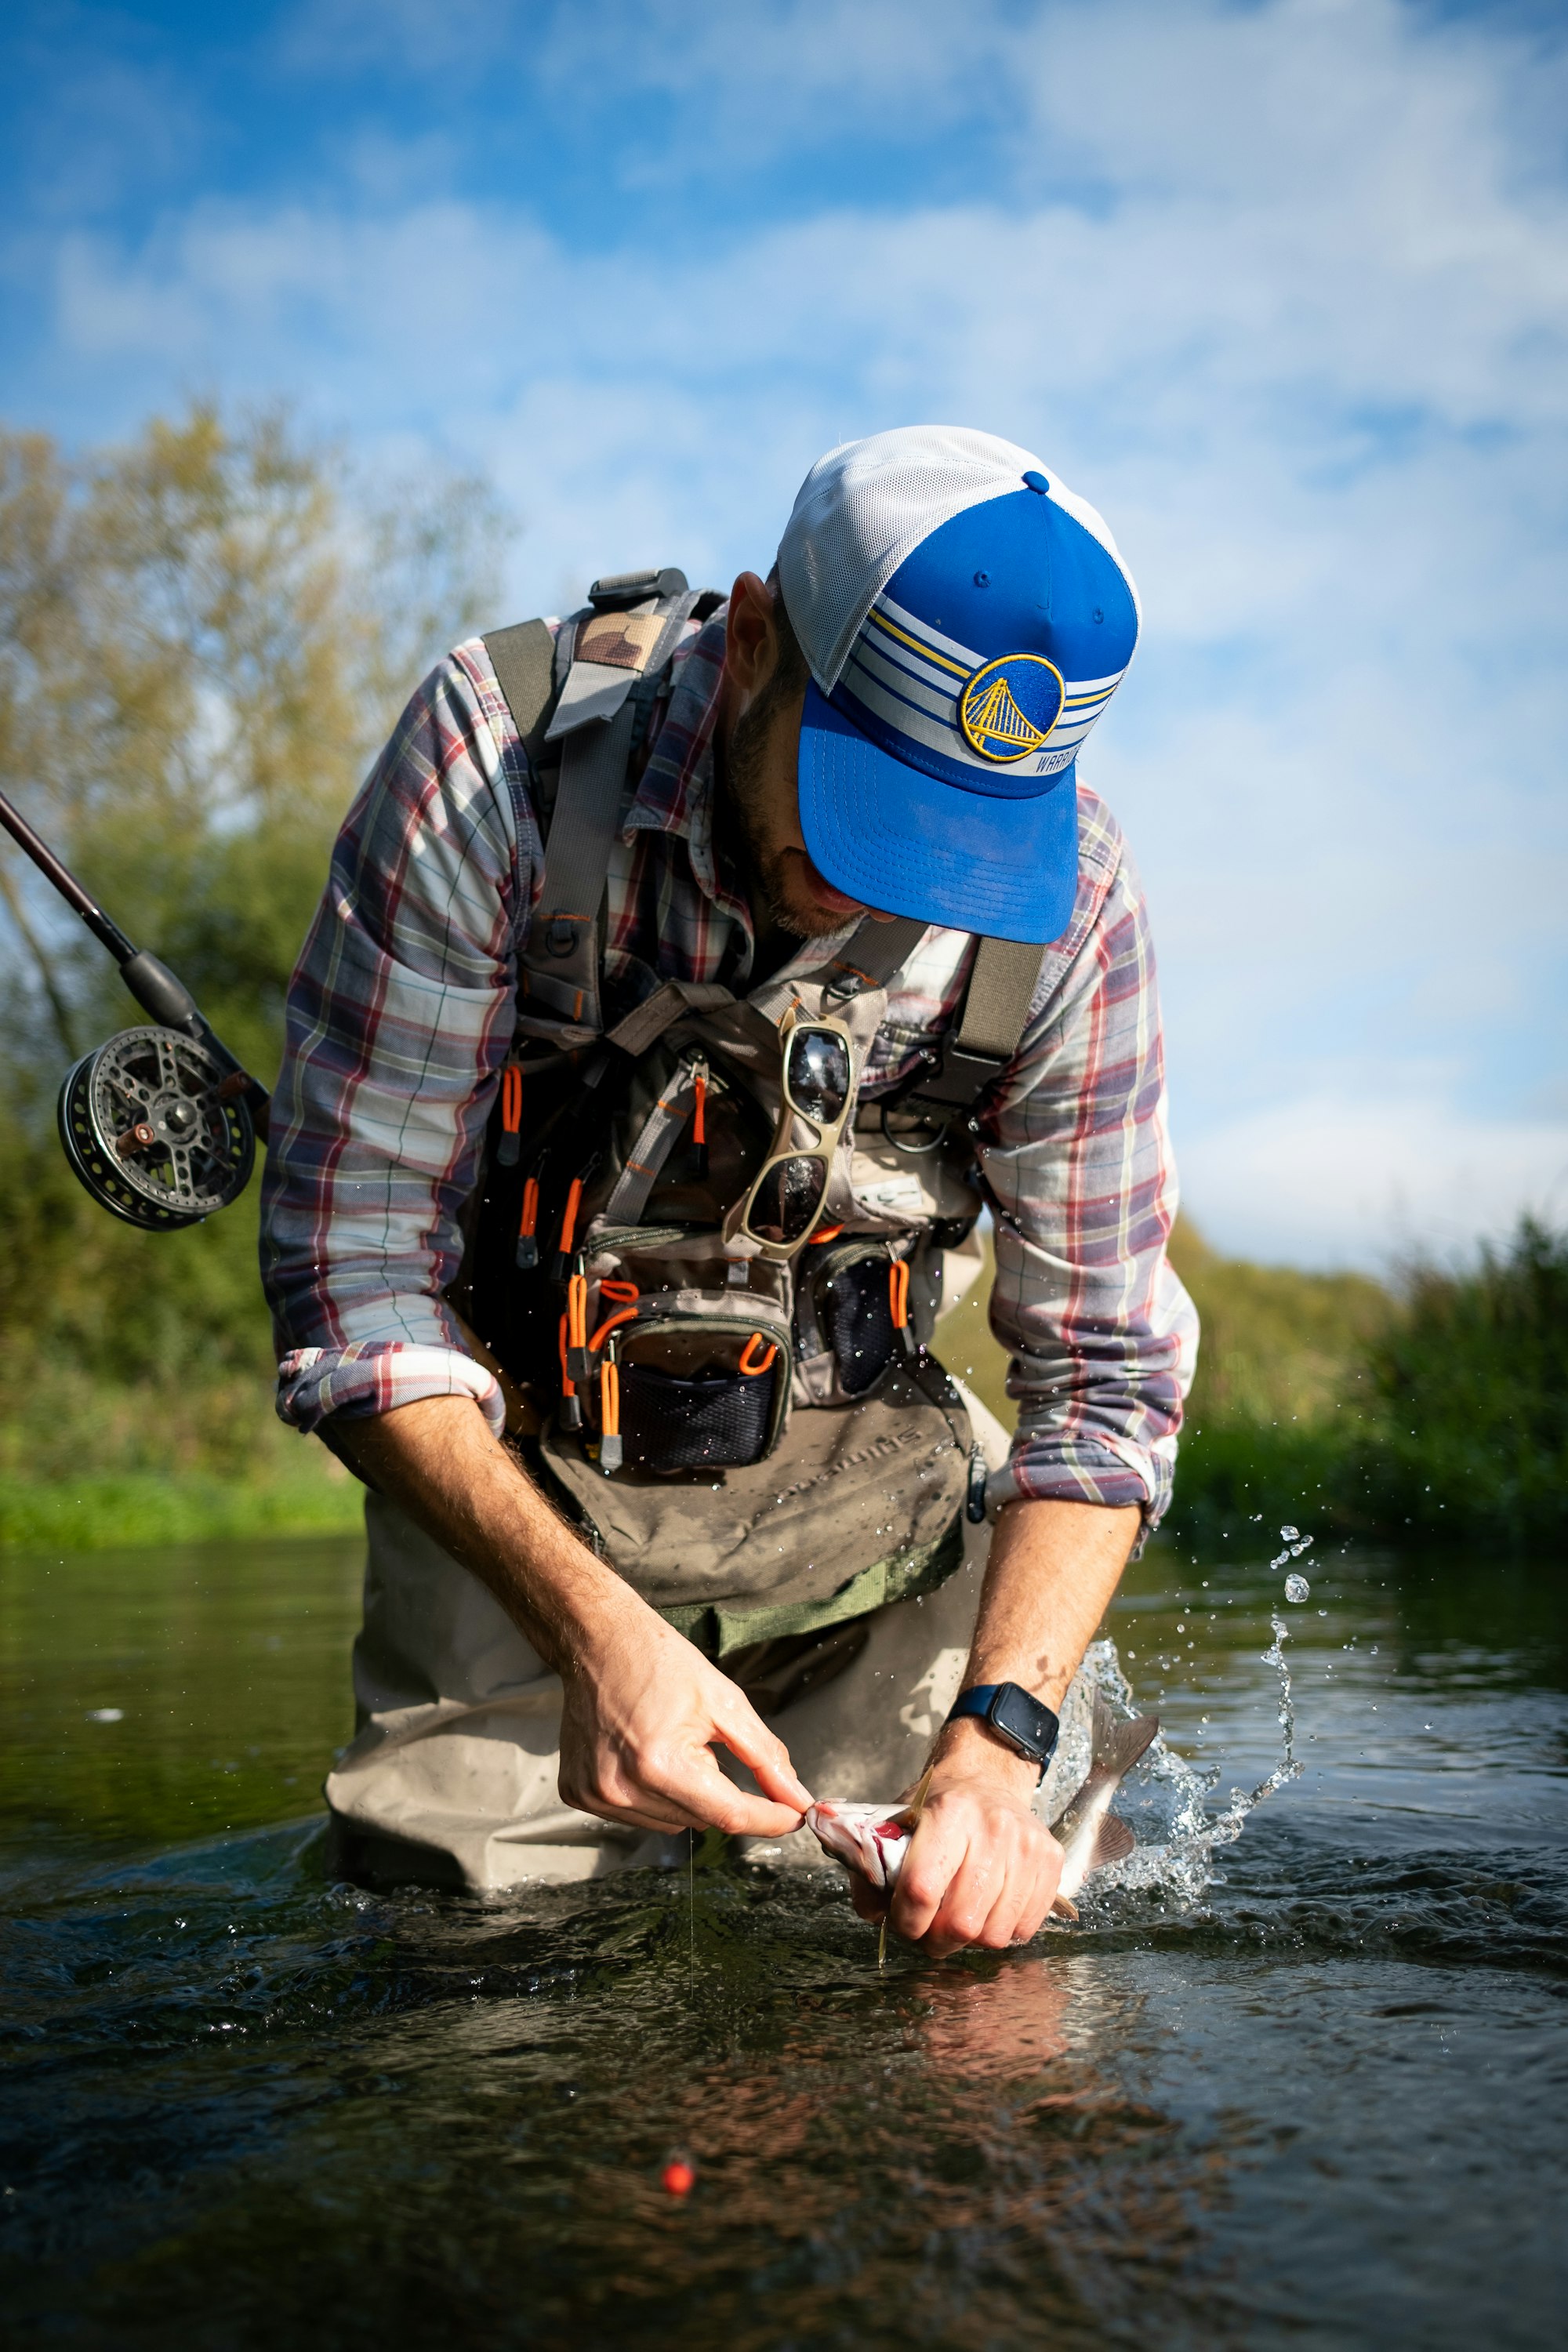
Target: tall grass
1468,1429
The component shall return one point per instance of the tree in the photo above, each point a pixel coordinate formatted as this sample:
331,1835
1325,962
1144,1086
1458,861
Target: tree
204,638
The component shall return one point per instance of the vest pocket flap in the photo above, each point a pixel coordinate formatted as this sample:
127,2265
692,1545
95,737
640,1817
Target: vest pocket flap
842,1495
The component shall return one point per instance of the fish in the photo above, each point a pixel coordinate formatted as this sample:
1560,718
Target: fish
874,1839
1086,1829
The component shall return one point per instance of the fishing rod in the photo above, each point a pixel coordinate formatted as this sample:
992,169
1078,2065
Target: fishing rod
160,1124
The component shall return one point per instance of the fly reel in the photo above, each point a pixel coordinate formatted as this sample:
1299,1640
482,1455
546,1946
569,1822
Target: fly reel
157,1129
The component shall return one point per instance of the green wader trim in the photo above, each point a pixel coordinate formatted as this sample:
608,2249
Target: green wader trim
902,1576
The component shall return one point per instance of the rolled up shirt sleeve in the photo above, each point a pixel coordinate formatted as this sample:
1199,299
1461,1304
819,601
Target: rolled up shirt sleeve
399,1016
1077,1163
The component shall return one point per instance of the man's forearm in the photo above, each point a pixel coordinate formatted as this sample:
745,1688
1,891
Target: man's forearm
642,1710
1053,1570
438,1459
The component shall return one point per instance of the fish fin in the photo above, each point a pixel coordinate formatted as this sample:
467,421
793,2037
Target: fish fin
1118,1746
1068,1910
1114,1843
916,1800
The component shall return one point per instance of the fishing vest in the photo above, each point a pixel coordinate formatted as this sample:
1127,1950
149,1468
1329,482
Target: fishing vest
761,1449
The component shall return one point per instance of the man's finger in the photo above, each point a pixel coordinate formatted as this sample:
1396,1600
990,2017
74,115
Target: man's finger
635,1810
745,1735
1000,1931
696,1783
933,1860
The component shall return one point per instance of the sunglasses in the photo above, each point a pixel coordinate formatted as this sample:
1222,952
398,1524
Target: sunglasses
785,1202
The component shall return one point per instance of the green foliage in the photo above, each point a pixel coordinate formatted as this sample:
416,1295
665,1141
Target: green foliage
204,639
1470,1387
1280,1348
1279,1392
1439,1409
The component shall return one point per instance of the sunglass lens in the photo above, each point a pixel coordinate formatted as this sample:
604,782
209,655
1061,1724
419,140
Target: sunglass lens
817,1069
788,1199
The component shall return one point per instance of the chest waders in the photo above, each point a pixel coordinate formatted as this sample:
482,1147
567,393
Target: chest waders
764,1448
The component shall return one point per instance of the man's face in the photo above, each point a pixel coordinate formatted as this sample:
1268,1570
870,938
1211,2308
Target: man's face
759,774
757,755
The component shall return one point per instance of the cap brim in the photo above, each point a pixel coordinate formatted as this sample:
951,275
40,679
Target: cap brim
909,843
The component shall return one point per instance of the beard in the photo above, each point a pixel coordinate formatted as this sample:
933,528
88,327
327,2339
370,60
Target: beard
778,871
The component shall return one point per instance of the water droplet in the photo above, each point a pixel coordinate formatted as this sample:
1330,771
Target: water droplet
1289,1535
1297,1587
106,1715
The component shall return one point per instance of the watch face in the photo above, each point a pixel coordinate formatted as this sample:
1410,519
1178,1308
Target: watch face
1031,1728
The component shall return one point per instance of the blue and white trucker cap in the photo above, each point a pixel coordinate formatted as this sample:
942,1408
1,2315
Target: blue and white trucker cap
967,620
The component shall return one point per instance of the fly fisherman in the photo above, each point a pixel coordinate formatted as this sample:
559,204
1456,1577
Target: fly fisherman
677,1004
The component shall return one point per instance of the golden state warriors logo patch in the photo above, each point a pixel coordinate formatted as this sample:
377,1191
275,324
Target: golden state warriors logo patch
1010,705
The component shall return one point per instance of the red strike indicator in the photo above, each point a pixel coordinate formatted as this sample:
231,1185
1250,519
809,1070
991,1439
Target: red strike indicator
679,2178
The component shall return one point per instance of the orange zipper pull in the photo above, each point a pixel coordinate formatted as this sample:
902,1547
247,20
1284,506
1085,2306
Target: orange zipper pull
568,1229
754,1371
610,1456
571,1411
511,1143
527,1236
578,1362
899,1301
700,1115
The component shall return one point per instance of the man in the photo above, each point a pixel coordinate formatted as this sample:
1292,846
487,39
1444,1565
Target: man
884,730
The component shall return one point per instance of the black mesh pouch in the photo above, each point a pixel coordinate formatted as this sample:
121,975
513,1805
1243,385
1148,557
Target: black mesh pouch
719,1421
856,1314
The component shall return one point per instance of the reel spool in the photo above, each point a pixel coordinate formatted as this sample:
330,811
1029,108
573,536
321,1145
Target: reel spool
157,1129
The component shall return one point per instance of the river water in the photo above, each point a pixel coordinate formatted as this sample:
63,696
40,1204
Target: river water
1321,2100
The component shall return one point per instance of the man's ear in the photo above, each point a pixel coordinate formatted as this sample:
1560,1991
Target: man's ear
751,634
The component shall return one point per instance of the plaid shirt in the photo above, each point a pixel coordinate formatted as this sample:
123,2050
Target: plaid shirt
401,1013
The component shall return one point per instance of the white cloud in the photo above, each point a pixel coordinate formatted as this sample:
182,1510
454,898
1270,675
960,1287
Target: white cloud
1331,1182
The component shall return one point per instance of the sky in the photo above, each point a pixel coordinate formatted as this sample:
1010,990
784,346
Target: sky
1281,287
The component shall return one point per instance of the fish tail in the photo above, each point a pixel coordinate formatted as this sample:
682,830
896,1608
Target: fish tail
915,1803
1118,1746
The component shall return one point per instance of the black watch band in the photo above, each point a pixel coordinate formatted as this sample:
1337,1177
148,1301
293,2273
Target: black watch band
1015,1717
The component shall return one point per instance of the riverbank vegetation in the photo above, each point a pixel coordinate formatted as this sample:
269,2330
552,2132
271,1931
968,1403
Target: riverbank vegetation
204,638
1435,1406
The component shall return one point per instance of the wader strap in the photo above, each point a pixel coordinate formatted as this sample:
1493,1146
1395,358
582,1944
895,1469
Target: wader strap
984,1038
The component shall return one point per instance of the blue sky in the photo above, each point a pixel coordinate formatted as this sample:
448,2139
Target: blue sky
1282,287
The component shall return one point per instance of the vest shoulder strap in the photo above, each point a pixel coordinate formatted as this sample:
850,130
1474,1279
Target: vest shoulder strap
523,659
986,1035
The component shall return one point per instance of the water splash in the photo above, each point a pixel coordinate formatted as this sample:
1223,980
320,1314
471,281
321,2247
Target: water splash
1176,1864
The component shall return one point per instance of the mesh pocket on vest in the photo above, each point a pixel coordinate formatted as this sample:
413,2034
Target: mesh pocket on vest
858,1321
719,1422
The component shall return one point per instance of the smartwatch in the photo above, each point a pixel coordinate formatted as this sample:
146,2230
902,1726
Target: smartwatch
1015,1716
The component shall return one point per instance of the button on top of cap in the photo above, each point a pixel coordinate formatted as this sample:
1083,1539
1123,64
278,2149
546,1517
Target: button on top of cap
1036,482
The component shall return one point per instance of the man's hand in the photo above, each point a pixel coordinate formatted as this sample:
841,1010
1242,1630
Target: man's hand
641,1708
982,1866
641,1705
